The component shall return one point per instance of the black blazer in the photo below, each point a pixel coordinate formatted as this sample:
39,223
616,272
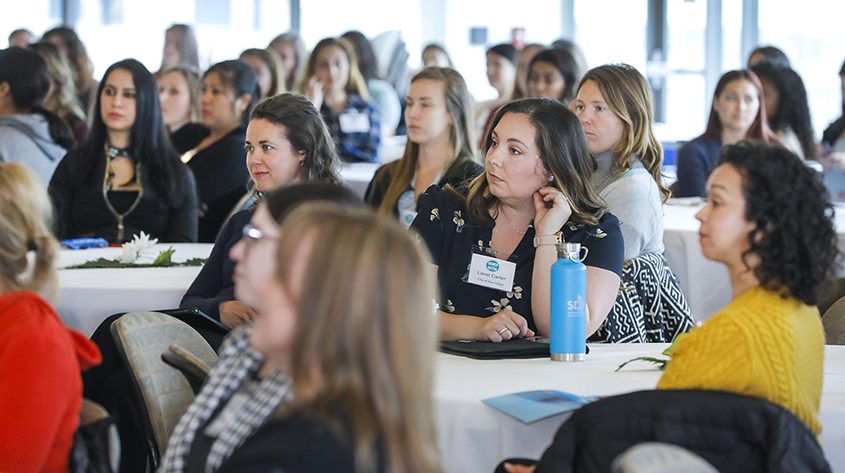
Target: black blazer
734,433
76,190
222,177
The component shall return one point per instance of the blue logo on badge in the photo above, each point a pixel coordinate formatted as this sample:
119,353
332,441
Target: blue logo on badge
492,266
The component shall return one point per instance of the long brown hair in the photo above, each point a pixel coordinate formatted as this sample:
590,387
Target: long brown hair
365,335
25,220
759,129
459,106
306,132
562,147
628,95
355,84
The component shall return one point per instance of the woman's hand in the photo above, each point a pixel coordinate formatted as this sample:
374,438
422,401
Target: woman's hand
235,313
504,326
549,220
517,468
315,92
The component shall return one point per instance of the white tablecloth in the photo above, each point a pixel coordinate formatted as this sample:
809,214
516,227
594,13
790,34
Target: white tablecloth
704,282
474,437
357,176
88,296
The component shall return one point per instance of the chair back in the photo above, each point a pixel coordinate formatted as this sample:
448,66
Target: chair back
834,323
734,433
650,306
141,338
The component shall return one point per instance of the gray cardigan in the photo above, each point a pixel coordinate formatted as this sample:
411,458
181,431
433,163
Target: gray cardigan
634,198
26,139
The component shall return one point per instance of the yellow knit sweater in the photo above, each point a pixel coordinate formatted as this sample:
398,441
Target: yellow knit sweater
759,345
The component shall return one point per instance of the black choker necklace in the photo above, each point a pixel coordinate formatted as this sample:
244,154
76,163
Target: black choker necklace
114,152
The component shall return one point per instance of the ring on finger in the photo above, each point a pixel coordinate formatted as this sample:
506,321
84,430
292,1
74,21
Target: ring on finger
502,332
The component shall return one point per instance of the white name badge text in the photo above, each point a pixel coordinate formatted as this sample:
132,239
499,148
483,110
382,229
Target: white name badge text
354,122
491,272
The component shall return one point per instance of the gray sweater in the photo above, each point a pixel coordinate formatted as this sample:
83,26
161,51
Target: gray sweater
26,139
633,197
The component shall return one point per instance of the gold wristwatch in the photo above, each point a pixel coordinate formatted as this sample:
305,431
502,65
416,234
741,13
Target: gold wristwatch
548,240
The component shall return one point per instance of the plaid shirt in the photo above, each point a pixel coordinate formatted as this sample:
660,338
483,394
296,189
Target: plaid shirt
355,146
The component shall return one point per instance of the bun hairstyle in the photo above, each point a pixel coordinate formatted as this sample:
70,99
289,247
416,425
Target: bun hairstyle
27,247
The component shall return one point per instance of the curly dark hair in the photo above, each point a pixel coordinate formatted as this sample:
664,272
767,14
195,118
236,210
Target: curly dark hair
794,235
793,111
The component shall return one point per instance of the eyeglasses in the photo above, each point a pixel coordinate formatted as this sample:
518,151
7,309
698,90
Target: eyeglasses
251,235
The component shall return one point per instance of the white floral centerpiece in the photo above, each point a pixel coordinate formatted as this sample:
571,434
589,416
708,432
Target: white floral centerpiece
132,250
138,253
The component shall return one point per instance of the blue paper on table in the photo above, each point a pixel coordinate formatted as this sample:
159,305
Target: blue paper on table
531,406
84,243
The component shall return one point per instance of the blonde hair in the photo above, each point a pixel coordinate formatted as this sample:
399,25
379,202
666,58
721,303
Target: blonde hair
459,105
628,95
62,96
365,336
356,83
192,78
25,220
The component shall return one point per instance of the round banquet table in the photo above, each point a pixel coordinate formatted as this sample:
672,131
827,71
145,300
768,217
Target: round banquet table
705,283
88,296
474,437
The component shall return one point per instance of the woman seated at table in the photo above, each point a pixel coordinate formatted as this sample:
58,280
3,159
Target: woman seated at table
127,178
61,99
551,74
833,138
178,92
278,399
229,90
286,142
787,110
439,147
614,105
29,134
534,193
334,84
737,113
40,359
268,71
770,221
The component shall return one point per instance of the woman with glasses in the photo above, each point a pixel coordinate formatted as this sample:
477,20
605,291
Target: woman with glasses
336,374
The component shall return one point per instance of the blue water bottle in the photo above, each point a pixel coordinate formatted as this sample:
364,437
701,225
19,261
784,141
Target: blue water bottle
569,304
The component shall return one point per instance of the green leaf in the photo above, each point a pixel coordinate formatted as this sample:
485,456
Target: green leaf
103,263
660,362
164,257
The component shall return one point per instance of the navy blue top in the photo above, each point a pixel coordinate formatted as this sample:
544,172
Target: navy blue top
696,159
214,283
443,224
355,146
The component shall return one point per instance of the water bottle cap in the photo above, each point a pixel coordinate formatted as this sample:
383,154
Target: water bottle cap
571,251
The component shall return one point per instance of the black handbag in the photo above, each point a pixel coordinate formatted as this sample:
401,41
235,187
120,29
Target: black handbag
92,447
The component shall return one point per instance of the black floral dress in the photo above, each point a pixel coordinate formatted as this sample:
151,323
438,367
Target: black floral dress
442,223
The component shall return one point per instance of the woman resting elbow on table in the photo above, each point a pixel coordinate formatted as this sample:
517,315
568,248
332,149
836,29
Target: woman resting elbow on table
770,221
535,189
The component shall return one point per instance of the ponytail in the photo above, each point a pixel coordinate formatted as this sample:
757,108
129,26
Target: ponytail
43,276
59,129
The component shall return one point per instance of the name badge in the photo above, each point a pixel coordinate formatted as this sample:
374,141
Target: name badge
354,122
491,272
